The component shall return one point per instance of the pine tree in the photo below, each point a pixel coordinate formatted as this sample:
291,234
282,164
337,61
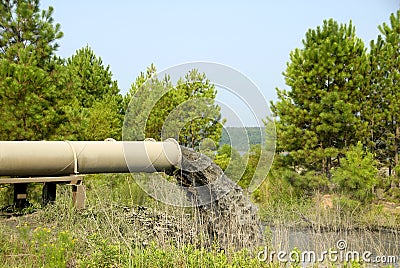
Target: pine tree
383,110
92,81
357,174
94,107
31,78
143,114
319,118
160,110
25,29
195,116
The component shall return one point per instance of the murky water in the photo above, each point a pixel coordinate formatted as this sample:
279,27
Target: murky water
385,243
226,211
381,242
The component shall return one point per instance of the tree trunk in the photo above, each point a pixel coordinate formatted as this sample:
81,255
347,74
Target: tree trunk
328,167
396,146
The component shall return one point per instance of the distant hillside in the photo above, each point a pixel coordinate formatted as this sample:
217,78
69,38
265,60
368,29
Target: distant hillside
241,137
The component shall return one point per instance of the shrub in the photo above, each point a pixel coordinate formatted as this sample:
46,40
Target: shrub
356,175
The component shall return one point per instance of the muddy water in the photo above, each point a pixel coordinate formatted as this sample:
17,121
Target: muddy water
379,243
373,248
225,211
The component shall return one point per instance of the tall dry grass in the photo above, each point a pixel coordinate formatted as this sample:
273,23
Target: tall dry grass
123,227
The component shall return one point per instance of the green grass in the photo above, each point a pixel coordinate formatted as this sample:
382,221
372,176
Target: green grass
29,246
108,233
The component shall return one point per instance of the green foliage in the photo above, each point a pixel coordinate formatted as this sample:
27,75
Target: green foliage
103,120
226,152
253,159
284,184
319,116
43,98
276,187
118,188
6,195
339,95
27,30
309,183
222,160
139,103
103,253
356,175
28,99
257,161
94,108
45,247
160,110
208,147
155,256
31,98
203,116
347,205
31,91
230,161
382,108
92,81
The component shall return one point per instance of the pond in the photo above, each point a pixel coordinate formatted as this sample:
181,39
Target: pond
384,244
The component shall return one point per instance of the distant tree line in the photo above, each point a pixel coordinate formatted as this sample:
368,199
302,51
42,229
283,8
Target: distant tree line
241,138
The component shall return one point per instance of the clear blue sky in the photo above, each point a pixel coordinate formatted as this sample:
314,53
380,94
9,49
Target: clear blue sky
254,37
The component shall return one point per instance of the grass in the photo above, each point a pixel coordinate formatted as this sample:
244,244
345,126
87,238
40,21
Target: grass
88,239
123,227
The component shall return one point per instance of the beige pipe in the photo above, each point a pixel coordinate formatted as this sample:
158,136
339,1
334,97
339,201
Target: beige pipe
52,158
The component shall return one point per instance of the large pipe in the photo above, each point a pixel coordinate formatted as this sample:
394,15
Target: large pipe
53,158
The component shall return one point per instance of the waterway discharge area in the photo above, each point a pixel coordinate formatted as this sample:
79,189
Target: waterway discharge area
229,215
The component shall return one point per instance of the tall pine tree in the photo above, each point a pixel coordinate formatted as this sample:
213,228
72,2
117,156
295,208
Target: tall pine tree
160,110
25,29
31,80
195,116
383,106
319,117
94,106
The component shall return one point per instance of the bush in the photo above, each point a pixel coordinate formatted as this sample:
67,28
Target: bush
309,183
276,187
230,161
356,175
